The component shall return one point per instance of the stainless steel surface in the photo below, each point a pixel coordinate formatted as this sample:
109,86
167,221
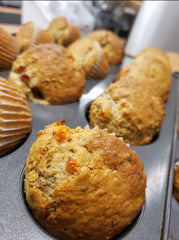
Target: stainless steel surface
152,223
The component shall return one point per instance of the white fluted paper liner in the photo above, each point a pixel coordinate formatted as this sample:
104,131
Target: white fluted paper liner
97,71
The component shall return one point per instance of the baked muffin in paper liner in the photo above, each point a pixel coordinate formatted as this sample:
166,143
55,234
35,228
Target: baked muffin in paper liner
63,32
91,57
29,35
83,183
126,108
48,74
112,45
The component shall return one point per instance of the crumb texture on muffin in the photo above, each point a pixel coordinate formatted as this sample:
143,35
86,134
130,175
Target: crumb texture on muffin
83,183
48,74
126,108
151,70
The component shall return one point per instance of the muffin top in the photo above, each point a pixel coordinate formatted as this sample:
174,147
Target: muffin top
59,29
174,61
48,74
83,183
89,54
111,43
151,70
156,53
15,116
25,35
126,108
30,35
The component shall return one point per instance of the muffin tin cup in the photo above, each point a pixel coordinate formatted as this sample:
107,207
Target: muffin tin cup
16,221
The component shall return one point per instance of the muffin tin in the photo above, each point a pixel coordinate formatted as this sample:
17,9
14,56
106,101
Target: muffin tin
16,221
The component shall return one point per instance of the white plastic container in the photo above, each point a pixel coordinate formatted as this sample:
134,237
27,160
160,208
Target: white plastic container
156,24
42,13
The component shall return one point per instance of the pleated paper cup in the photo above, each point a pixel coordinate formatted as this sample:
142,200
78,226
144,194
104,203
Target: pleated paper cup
15,117
41,36
8,50
74,34
101,66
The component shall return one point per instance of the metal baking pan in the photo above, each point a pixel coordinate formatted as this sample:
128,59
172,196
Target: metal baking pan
16,222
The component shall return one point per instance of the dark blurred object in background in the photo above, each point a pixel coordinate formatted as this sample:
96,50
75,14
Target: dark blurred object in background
11,3
117,16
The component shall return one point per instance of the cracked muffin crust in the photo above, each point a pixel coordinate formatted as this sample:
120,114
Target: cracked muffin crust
48,75
130,109
112,45
83,183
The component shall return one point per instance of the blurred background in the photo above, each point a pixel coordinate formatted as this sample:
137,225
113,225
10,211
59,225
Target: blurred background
139,23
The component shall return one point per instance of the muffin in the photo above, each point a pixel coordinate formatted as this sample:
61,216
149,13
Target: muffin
8,49
30,35
152,71
91,57
176,182
155,53
83,183
48,75
15,116
174,61
63,32
130,110
112,45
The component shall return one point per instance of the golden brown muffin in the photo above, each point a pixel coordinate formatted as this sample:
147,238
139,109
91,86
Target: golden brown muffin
8,49
130,109
63,32
29,35
91,57
15,116
112,45
152,71
155,53
176,182
174,61
48,74
74,34
83,183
